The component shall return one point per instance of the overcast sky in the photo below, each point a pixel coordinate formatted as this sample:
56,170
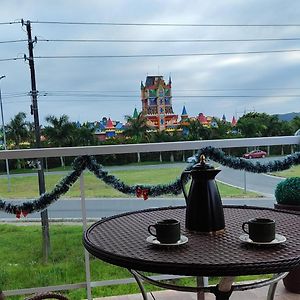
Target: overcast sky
111,86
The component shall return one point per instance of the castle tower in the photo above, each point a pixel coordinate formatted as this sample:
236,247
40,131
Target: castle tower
135,114
233,121
156,100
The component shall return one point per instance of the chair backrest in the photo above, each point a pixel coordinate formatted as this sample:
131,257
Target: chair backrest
47,296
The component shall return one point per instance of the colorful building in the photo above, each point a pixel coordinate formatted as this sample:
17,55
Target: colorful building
156,97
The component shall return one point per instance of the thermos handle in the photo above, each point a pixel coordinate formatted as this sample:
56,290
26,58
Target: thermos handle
182,177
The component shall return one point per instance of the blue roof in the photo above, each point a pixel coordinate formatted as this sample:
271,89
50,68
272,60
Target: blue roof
184,111
119,126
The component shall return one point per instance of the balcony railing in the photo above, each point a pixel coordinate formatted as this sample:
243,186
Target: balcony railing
123,149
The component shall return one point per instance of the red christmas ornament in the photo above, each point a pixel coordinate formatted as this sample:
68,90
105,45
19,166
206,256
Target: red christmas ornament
139,192
18,214
145,194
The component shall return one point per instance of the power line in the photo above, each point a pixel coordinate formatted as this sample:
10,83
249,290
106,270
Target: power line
177,90
154,41
100,93
12,41
161,24
175,96
167,41
164,55
10,23
87,94
151,55
12,58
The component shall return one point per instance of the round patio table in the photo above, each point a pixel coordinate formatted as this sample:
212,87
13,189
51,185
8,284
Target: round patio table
121,240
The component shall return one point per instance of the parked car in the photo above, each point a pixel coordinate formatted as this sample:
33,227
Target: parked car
255,154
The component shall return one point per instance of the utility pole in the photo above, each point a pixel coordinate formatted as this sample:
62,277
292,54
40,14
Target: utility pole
37,132
4,139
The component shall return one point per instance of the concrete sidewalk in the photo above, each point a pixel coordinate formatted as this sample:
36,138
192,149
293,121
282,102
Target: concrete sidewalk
256,294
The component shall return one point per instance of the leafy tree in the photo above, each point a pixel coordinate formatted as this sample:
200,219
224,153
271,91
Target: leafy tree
261,124
197,131
84,136
224,130
17,129
161,136
295,123
137,128
60,132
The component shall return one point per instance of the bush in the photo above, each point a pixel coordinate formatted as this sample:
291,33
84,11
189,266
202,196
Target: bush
288,191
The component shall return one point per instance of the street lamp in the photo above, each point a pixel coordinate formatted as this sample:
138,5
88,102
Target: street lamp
4,139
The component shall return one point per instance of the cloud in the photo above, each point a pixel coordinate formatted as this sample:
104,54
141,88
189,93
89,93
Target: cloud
191,75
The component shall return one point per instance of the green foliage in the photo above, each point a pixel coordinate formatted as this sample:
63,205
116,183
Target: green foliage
256,124
197,131
288,191
17,130
60,132
296,123
137,128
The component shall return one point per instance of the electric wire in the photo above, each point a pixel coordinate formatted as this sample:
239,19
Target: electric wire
174,96
153,55
167,41
66,93
165,55
11,58
12,41
161,24
100,97
10,23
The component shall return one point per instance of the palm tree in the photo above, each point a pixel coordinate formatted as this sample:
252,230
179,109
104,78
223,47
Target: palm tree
60,133
17,129
137,128
197,131
84,136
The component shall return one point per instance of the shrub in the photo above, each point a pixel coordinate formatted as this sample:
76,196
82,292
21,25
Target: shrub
288,191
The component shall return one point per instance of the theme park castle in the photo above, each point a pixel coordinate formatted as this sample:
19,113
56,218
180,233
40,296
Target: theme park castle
156,98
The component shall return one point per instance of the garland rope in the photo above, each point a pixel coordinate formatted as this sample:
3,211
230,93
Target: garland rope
88,162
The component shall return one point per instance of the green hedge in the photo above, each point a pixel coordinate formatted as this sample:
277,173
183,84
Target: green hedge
288,191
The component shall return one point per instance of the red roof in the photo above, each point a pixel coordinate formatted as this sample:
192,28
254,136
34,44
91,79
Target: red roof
234,121
109,124
202,119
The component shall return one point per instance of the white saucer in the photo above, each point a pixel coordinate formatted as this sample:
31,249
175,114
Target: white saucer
278,240
153,240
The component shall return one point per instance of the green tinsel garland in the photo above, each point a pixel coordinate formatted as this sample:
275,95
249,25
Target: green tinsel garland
83,162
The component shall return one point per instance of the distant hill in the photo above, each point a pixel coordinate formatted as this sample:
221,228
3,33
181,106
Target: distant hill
288,116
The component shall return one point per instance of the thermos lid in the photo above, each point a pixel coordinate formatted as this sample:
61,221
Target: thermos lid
202,165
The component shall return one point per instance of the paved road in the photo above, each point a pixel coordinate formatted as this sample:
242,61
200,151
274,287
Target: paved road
261,183
99,208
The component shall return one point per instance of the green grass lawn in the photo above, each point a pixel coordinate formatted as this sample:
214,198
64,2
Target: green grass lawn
292,172
22,265
27,187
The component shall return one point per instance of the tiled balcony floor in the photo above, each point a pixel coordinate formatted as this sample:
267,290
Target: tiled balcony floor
256,294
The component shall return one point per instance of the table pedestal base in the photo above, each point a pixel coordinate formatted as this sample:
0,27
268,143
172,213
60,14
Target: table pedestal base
221,295
222,291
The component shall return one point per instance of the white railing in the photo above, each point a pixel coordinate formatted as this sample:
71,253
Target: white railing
152,147
121,149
